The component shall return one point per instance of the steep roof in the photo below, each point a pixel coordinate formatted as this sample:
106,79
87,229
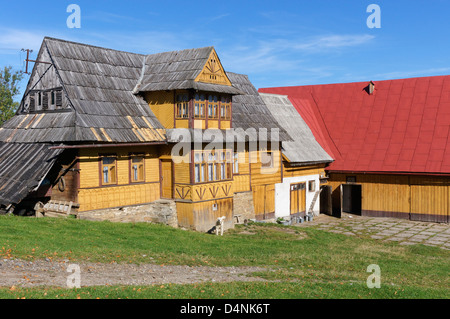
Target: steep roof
303,149
22,169
402,127
250,111
178,70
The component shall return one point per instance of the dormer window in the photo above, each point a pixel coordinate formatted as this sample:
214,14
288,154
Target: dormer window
42,100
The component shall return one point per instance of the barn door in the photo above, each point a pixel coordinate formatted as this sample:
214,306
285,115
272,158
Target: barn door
325,200
166,179
298,198
264,201
351,198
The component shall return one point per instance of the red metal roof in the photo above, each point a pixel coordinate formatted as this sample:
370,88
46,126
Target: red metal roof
402,127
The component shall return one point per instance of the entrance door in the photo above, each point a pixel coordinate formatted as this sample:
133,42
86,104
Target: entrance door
298,198
166,179
351,198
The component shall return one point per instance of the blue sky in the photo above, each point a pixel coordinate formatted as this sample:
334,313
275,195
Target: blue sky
276,43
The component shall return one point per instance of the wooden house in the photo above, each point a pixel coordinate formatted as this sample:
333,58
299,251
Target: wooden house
100,128
390,141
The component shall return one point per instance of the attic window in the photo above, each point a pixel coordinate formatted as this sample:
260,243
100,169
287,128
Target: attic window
45,100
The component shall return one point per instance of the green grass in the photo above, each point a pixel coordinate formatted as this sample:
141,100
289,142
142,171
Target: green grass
300,262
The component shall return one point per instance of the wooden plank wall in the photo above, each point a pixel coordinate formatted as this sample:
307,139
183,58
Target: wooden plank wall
162,105
423,198
93,196
263,182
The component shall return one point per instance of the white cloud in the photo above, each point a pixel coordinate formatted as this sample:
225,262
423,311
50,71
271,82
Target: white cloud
18,39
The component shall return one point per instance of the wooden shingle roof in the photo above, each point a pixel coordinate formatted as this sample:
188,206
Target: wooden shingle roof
304,148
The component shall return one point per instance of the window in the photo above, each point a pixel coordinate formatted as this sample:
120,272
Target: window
225,108
32,102
199,106
137,168
236,163
211,166
212,107
312,186
45,100
351,179
266,159
199,167
108,167
39,100
182,106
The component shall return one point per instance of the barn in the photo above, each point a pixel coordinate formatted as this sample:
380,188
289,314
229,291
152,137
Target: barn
390,142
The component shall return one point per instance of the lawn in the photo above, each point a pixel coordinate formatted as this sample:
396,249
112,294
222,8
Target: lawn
300,262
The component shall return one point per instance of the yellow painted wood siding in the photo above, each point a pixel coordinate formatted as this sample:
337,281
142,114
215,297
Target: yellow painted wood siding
264,176
162,105
241,183
302,170
93,196
182,173
116,196
430,194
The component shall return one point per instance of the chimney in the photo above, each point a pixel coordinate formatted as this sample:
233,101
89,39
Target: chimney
371,87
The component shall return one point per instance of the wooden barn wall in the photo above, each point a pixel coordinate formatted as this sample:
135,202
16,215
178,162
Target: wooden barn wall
293,171
263,182
92,195
421,198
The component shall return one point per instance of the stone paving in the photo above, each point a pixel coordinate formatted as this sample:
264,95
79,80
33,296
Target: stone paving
405,232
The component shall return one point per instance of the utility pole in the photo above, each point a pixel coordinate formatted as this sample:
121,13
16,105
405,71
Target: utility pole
28,60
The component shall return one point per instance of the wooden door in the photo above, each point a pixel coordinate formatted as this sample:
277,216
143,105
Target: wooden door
264,201
298,198
166,179
325,200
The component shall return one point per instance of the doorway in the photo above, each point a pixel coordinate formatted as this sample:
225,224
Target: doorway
351,198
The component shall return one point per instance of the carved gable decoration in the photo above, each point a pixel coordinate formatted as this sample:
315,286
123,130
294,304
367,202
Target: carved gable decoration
213,71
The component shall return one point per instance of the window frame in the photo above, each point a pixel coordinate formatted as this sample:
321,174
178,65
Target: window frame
225,108
200,104
102,167
213,105
182,106
132,171
212,166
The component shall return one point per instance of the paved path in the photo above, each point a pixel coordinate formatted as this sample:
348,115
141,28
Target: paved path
405,232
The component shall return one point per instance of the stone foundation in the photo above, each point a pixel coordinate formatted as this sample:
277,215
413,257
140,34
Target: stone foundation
160,211
243,205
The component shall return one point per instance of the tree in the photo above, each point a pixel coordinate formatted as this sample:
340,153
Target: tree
9,88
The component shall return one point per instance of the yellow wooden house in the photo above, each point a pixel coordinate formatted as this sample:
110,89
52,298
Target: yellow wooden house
120,129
